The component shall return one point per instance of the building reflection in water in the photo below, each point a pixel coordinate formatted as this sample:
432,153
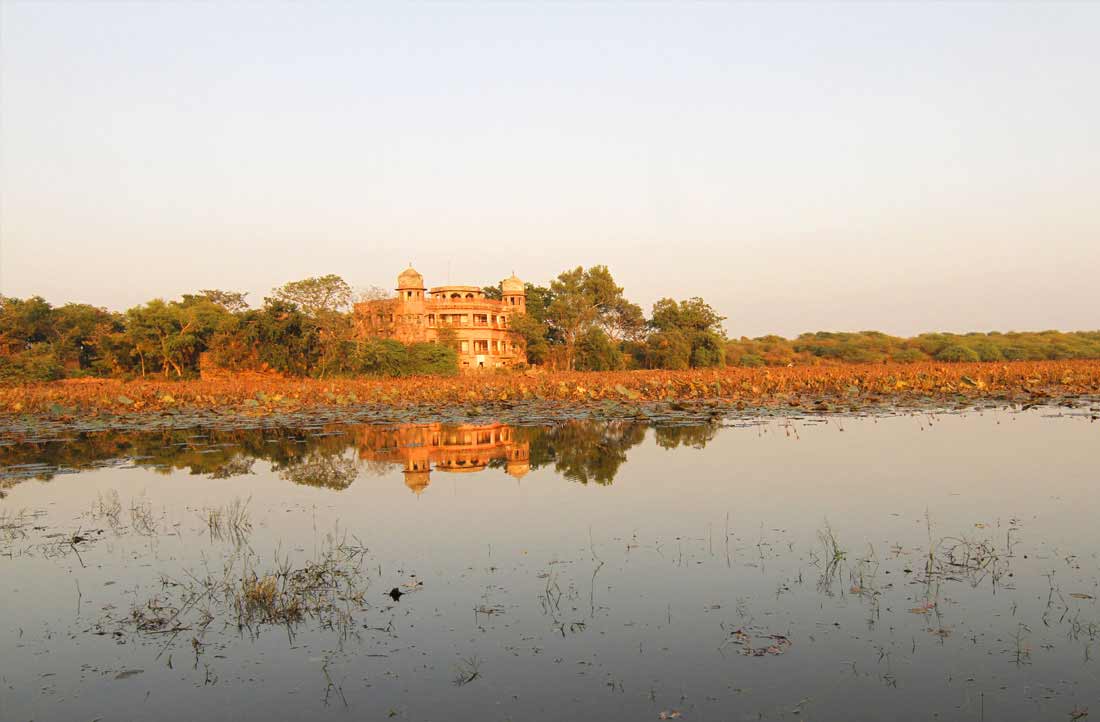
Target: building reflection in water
451,449
333,457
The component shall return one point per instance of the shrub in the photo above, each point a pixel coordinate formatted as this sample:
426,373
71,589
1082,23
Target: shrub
38,363
957,353
597,352
392,358
909,356
381,358
667,350
432,358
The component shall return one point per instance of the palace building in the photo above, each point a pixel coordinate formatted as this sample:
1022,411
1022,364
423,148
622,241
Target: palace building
452,449
480,325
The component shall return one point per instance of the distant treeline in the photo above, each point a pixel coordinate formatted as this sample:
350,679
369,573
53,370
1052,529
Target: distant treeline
581,320
876,347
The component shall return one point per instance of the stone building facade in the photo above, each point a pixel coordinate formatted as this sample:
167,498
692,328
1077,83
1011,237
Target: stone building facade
459,449
480,325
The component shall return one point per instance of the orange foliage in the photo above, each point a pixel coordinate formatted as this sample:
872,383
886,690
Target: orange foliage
843,386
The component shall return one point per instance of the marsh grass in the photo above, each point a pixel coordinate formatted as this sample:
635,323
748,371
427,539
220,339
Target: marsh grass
967,560
466,671
232,522
13,529
12,525
142,520
833,558
107,507
250,594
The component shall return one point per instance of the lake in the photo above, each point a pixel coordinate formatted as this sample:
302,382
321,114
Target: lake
907,566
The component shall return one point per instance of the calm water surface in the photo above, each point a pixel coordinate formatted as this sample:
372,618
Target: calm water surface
907,567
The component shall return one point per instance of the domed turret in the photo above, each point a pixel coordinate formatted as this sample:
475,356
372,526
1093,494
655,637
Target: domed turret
519,461
411,280
512,285
417,481
513,293
418,474
517,469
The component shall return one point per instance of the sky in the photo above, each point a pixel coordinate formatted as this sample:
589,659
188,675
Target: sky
903,167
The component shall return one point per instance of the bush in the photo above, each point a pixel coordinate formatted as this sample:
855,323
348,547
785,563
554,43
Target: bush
392,358
38,363
667,350
707,350
751,360
958,353
432,358
909,356
381,358
988,351
597,352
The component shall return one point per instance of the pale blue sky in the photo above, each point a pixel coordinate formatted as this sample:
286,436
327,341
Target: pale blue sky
902,167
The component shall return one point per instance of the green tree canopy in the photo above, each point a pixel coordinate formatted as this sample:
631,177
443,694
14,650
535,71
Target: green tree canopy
686,333
583,299
315,295
232,301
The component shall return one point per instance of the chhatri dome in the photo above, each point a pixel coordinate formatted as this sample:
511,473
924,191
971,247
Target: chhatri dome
417,481
517,469
511,285
410,278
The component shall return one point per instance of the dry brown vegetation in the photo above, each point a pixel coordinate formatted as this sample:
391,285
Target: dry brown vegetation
812,387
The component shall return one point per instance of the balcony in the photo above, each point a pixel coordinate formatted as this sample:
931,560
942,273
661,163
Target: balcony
465,304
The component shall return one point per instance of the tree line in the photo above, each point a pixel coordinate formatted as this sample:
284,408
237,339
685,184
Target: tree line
825,347
580,320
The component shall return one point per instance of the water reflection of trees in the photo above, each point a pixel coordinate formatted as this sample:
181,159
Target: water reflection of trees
585,451
328,470
695,436
218,454
333,457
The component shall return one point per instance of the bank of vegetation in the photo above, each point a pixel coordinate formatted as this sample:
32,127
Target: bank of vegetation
580,321
825,387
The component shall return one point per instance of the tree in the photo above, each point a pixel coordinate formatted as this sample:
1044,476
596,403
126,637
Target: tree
82,334
693,314
596,351
231,301
278,336
25,322
583,299
325,299
625,321
686,333
493,292
173,334
314,295
539,300
372,293
667,350
529,331
150,331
